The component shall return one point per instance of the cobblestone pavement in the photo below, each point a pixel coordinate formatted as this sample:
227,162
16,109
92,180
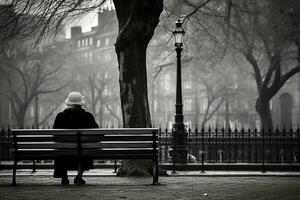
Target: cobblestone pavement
42,186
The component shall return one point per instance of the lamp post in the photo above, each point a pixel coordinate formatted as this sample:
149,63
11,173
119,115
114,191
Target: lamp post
179,149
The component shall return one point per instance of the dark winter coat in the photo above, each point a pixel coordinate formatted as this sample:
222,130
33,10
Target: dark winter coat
74,117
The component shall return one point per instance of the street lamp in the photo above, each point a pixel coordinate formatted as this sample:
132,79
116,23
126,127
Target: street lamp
179,149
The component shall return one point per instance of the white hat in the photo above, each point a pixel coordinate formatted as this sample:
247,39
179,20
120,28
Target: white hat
75,98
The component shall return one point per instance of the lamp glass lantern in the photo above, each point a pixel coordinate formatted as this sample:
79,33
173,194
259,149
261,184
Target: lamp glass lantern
178,33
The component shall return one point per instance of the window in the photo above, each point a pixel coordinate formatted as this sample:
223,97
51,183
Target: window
187,105
155,108
106,91
167,84
78,43
119,112
86,41
85,55
82,42
106,75
90,57
31,111
187,84
9,110
204,103
98,43
106,41
41,110
105,109
91,41
246,105
107,57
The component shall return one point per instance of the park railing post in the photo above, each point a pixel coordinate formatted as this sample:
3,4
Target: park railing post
263,150
79,155
291,147
242,145
298,143
14,182
166,142
229,145
284,144
223,145
155,159
202,151
208,151
173,152
216,144
160,144
277,142
236,144
255,145
249,145
197,144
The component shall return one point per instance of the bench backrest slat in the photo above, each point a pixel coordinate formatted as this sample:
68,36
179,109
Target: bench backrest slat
84,131
84,138
93,145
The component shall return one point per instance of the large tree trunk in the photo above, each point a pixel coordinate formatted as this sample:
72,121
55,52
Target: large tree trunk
20,117
137,21
264,112
133,85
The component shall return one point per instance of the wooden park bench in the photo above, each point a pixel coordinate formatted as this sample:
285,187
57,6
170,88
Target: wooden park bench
121,144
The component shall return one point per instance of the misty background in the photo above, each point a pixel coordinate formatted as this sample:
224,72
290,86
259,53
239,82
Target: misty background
219,85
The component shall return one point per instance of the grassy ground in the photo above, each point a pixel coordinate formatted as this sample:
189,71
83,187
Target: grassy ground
41,187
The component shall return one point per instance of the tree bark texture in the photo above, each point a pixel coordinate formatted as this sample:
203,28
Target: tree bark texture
137,22
264,112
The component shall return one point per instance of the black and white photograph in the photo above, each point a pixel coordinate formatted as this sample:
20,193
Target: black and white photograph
150,99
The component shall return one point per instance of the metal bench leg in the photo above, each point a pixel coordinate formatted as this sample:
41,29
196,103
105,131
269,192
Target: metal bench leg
79,174
155,172
115,166
14,182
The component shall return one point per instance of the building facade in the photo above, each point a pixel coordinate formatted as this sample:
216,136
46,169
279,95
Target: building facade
96,66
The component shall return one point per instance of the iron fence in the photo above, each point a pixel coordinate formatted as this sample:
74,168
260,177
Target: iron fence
5,144
218,146
236,146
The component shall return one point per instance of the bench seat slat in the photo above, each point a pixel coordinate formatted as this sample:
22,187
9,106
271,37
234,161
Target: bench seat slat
142,144
46,145
74,151
31,138
45,138
85,131
51,154
109,152
100,157
121,156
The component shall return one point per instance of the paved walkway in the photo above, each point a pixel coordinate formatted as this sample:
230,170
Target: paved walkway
102,184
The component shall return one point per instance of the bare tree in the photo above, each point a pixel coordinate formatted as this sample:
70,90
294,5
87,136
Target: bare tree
264,33
28,74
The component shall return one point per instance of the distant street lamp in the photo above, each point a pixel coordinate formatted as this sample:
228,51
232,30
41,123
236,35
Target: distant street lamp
179,149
